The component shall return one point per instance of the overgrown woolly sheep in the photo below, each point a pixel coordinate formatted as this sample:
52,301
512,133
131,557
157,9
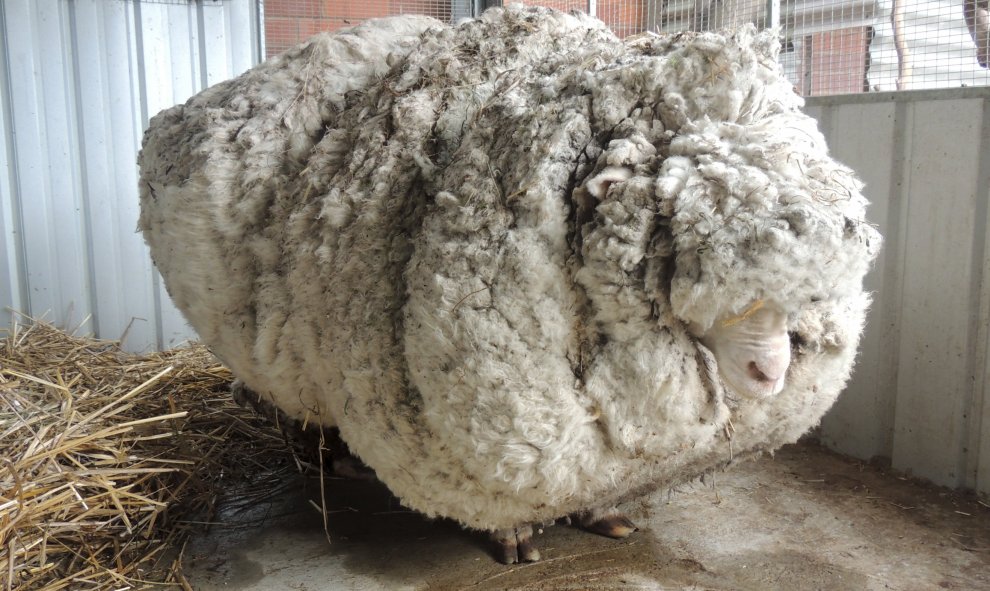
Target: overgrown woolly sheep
528,270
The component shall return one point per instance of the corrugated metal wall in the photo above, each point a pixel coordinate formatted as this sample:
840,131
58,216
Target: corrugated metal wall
919,394
79,80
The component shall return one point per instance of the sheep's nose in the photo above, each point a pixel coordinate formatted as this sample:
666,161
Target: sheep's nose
766,372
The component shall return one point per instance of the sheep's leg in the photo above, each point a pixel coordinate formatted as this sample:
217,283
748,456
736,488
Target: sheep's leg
606,522
515,544
310,438
349,466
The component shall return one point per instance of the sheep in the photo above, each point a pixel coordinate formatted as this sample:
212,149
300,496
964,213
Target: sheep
525,269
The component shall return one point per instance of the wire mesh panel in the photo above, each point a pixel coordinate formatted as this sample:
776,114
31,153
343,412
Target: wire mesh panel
927,44
287,22
703,15
625,17
847,46
828,46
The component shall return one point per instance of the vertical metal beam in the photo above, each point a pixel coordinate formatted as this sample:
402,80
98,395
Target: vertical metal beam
593,7
460,9
977,441
773,14
259,15
13,291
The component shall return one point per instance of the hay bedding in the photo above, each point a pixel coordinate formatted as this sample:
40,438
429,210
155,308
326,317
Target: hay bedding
109,460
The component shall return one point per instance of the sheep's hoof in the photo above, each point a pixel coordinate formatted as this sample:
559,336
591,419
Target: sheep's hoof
514,545
605,523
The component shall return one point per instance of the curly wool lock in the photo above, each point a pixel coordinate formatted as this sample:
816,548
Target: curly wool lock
490,254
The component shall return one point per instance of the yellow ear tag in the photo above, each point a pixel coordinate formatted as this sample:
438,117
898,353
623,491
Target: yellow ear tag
746,314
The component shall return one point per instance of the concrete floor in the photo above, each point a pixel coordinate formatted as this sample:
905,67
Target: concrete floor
807,519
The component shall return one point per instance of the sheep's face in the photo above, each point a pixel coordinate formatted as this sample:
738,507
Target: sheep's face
753,352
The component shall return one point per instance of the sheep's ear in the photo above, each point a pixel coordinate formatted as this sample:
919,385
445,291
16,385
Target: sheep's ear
599,184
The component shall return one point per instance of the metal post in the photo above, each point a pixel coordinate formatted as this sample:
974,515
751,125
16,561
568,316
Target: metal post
258,18
773,14
460,9
593,7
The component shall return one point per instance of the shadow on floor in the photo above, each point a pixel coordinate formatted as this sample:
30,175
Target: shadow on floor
805,520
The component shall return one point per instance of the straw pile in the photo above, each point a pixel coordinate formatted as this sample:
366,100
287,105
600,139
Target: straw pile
108,461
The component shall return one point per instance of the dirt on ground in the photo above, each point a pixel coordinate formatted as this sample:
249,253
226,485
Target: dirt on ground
805,519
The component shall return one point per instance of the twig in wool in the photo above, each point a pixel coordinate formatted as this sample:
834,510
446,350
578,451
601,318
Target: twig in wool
746,314
813,141
310,64
716,70
498,186
323,489
520,191
729,429
467,296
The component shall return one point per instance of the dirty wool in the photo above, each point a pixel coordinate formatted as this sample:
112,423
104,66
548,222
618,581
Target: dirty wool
490,254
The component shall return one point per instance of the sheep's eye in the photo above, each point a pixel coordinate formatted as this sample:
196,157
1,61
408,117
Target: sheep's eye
797,341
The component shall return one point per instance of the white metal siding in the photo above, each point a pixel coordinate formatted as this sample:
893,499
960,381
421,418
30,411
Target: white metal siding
919,392
79,80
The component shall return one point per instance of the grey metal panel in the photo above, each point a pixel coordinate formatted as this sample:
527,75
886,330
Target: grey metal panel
933,377
12,293
461,9
900,96
213,44
46,161
243,29
978,467
172,45
919,392
80,80
816,112
110,133
862,421
97,168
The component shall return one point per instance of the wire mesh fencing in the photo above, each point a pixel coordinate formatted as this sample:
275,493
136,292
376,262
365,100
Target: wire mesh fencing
930,44
849,46
827,46
287,22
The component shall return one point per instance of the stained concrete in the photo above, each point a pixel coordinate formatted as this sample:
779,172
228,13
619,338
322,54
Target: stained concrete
806,519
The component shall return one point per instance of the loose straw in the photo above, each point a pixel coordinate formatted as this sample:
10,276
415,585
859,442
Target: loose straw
108,460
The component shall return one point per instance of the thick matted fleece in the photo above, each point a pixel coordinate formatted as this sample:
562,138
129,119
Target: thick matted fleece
484,252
